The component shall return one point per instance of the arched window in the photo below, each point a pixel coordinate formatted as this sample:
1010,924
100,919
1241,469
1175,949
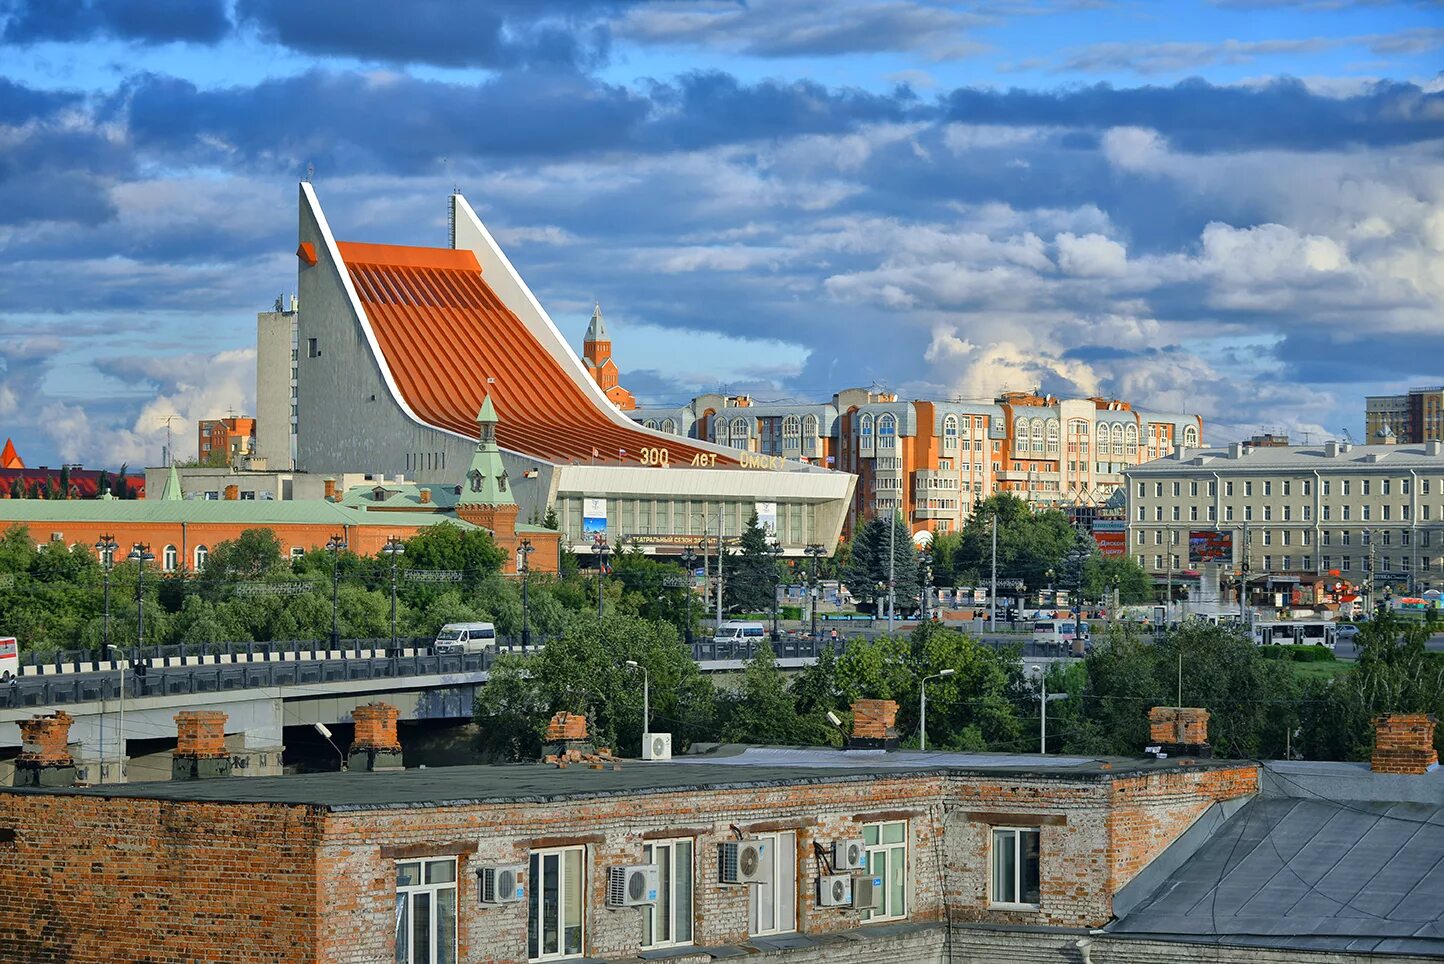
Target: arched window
1038,435
809,426
201,555
1190,435
669,426
791,426
739,432
1117,439
886,429
650,423
1130,436
950,432
1052,436
719,430
1103,438
864,428
168,559
1020,434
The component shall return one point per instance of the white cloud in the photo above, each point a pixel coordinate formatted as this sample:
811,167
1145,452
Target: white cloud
1092,255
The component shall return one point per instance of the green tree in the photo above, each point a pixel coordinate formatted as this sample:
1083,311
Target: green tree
64,487
1102,573
254,554
1029,543
871,549
762,710
751,574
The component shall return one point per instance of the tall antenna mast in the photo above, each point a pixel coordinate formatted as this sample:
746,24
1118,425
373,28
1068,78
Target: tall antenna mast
169,452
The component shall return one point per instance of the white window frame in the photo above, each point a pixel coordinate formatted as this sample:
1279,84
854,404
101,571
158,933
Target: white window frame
879,864
200,557
169,559
783,900
1017,833
649,855
534,883
406,898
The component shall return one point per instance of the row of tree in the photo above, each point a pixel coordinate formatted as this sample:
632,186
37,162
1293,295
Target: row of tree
1261,707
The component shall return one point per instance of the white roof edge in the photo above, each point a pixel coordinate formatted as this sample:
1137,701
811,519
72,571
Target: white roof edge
308,193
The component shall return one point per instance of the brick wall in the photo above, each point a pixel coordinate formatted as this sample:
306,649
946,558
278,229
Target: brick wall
44,739
375,727
201,734
1178,724
95,880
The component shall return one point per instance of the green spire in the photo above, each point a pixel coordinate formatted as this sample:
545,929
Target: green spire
172,490
486,481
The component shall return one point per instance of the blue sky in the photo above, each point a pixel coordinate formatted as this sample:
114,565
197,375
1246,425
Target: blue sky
1231,207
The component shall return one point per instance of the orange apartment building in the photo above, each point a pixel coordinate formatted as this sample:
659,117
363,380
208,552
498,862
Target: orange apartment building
932,460
235,435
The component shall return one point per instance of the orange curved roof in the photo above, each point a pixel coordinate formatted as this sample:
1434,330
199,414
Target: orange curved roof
444,332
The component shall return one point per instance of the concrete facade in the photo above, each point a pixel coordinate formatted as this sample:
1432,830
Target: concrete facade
276,363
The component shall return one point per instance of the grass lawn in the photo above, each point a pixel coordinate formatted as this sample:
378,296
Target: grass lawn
1313,671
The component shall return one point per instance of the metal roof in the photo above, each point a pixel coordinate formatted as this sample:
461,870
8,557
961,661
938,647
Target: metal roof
259,512
1309,874
1302,458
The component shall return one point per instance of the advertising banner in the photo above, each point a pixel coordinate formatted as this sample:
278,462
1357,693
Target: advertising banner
1111,535
594,516
1210,545
767,519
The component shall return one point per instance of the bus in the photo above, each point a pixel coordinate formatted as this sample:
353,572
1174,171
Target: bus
1296,632
9,658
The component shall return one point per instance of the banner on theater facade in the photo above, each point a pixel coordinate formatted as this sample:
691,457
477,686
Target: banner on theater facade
594,516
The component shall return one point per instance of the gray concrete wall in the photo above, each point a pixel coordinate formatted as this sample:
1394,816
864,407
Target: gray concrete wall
273,387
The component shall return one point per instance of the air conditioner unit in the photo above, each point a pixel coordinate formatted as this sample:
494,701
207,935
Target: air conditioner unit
743,862
834,890
656,746
504,884
632,886
849,855
867,893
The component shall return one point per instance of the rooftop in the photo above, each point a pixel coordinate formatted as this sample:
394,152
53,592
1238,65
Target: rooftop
259,512
1333,456
725,767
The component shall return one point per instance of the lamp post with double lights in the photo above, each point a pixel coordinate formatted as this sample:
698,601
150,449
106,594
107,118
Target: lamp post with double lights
140,554
814,551
923,707
335,545
105,548
599,549
689,561
525,550
393,548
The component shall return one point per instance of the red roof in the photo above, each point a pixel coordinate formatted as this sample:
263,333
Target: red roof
444,332
84,483
9,458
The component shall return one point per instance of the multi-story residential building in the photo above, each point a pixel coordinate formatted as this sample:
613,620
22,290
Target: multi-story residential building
933,460
1417,416
234,435
1373,514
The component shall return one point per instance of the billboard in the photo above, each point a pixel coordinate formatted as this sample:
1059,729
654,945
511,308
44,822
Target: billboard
594,516
1210,545
767,519
1111,536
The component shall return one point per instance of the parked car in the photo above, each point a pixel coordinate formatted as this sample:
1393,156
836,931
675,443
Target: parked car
1346,631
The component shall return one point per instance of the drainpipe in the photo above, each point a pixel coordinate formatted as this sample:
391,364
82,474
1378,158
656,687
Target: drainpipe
185,548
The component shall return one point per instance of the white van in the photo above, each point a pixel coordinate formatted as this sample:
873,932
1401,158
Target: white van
457,638
1057,631
9,658
736,631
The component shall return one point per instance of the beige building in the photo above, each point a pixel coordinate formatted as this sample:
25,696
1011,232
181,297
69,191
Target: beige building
1373,514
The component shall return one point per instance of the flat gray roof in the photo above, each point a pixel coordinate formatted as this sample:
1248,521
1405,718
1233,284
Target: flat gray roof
725,767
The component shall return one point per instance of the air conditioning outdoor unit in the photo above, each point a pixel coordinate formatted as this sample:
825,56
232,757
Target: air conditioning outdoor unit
834,890
743,862
632,886
504,884
849,855
867,893
656,746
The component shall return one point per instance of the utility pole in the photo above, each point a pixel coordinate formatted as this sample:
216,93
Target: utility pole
719,567
993,592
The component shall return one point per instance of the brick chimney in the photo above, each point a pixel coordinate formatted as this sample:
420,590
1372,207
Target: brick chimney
200,746
329,489
376,746
874,725
44,759
1404,743
425,496
1179,731
566,732
233,493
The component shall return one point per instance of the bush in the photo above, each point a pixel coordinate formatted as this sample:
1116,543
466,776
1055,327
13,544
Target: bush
791,612
1298,654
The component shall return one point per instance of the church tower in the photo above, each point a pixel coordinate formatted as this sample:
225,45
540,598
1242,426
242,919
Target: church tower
486,498
597,355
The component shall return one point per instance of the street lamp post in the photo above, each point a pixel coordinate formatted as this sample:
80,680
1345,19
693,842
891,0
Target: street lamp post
923,707
334,545
775,551
814,551
1076,557
689,560
646,697
105,547
599,549
1044,697
393,548
526,549
140,554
